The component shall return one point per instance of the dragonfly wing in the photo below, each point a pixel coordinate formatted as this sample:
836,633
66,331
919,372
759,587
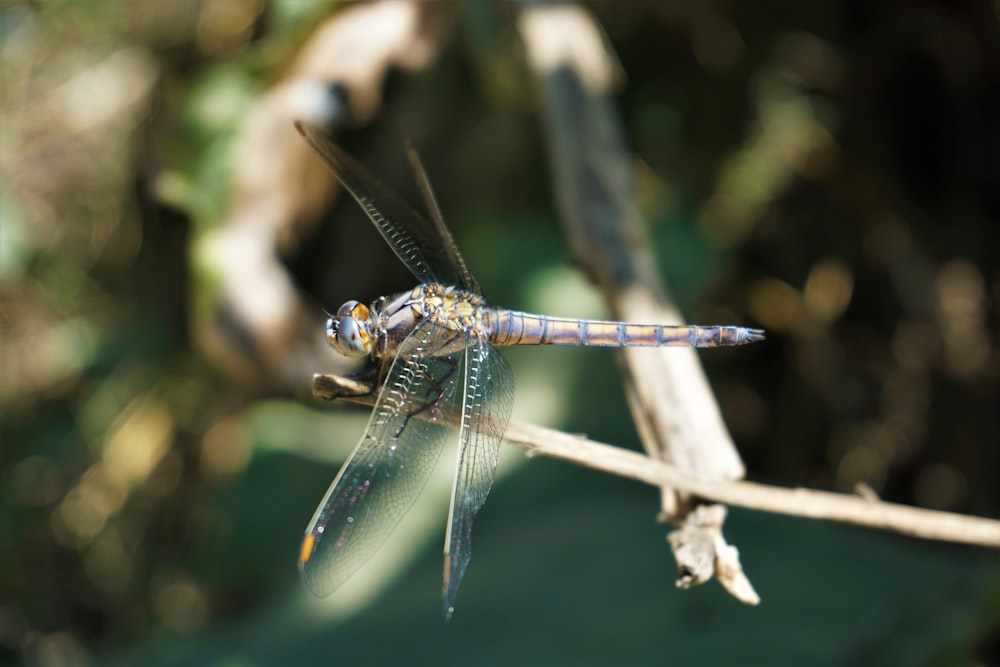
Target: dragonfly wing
430,203
485,412
388,468
425,248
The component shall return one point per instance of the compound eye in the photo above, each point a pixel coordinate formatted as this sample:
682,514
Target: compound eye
347,309
332,324
350,338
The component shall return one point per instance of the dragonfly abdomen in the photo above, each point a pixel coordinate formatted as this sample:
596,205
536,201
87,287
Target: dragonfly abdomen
511,327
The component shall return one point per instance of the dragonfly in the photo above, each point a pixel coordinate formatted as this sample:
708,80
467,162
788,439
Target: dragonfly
435,350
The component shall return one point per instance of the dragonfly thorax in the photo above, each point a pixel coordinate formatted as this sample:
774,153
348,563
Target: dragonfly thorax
350,330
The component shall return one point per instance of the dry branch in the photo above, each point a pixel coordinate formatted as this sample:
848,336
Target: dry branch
672,404
873,513
260,328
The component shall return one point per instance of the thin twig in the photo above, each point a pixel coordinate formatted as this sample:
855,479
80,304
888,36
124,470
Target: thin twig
874,513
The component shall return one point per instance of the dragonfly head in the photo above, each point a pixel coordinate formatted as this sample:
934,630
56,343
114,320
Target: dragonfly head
349,332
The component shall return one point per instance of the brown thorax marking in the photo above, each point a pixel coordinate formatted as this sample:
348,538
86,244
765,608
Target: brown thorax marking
451,307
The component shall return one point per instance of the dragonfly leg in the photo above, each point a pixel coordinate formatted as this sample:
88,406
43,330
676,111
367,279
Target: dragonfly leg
371,376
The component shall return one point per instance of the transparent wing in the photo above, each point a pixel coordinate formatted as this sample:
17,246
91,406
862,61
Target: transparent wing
485,411
430,203
390,465
426,248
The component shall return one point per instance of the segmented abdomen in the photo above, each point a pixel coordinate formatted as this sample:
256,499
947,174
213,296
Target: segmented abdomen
511,327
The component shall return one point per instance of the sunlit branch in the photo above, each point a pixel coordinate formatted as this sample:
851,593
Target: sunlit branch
871,512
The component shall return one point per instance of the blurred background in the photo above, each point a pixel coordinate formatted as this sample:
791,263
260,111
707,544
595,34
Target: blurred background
827,171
